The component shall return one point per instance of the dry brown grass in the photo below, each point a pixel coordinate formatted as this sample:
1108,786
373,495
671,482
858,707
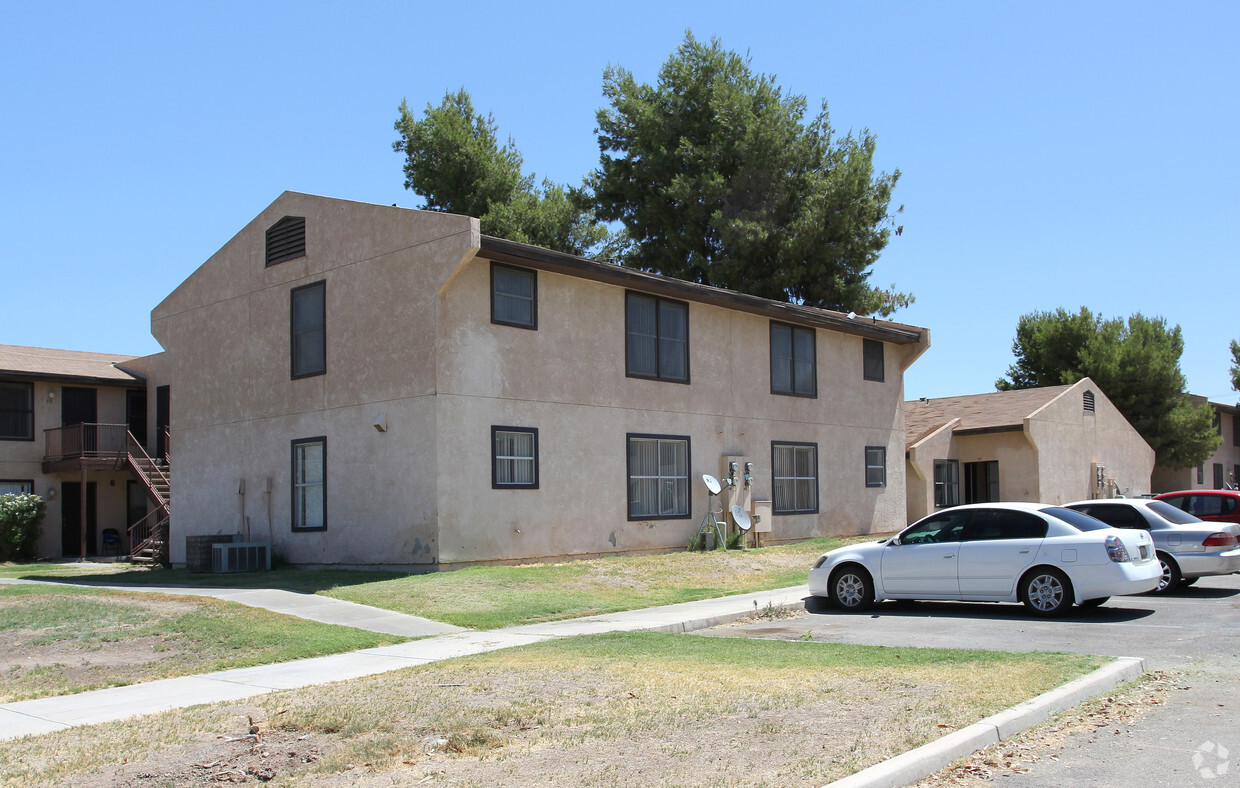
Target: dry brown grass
634,709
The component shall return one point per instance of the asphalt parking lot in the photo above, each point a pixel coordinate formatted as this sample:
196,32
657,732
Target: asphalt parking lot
1194,739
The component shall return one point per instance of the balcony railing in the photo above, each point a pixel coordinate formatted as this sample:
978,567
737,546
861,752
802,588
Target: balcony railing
85,441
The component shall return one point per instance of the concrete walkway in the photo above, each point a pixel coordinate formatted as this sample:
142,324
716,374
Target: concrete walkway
309,606
44,715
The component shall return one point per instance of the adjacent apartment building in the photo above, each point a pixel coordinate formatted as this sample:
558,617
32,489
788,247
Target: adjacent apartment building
363,385
1222,470
74,429
1055,445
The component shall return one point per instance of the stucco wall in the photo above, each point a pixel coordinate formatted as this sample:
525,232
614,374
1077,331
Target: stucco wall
235,408
567,379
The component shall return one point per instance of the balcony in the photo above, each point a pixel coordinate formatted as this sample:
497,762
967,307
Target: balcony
82,446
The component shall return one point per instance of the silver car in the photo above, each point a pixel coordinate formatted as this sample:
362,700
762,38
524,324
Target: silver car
1188,548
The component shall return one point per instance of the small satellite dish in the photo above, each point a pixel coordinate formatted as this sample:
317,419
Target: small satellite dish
712,484
742,518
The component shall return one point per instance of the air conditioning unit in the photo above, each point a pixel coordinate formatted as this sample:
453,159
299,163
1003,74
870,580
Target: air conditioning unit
240,557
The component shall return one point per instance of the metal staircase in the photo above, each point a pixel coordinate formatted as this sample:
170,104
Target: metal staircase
148,538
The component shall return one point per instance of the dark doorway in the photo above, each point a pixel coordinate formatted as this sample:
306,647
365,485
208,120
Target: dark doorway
71,519
135,416
162,403
77,406
981,481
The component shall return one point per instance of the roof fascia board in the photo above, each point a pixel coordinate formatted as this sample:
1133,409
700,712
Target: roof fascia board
505,251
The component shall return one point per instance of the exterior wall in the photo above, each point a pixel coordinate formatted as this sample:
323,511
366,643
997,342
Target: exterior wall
235,409
1071,441
919,464
1202,476
23,460
1017,457
567,379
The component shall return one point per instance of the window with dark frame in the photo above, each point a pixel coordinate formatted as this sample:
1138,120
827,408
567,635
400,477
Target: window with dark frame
874,365
1201,474
514,458
794,477
286,240
656,338
310,484
946,483
658,472
1218,423
16,486
875,466
1235,429
16,411
794,364
1218,475
308,330
514,296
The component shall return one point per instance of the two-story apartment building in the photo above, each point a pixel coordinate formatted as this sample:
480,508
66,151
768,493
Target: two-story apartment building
1222,470
70,422
369,385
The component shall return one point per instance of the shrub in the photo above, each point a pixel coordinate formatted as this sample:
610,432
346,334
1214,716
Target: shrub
21,522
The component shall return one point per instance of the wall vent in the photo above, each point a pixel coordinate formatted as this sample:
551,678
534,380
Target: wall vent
286,240
240,557
1088,399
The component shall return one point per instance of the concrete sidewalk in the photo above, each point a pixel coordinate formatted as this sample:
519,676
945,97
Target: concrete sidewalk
44,715
309,606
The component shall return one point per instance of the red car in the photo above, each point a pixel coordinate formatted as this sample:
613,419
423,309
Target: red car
1221,506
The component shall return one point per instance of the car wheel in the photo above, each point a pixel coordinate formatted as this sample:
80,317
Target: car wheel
1171,577
1099,602
1046,592
852,590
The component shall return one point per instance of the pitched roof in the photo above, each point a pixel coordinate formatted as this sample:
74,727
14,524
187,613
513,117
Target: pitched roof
48,364
993,412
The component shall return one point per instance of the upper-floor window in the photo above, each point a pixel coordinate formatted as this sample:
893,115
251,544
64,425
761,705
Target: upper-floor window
875,466
656,338
658,477
309,330
310,484
794,361
794,478
16,411
514,458
514,296
286,240
1218,422
1235,429
874,366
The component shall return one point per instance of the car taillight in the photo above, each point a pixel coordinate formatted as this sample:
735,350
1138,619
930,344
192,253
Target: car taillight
1220,539
1116,550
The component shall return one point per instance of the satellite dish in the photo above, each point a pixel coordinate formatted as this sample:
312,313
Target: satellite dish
742,519
712,484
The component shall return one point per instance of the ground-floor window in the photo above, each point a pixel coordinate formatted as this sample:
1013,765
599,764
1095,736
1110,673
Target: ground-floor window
514,458
946,483
875,466
658,468
16,486
794,476
310,484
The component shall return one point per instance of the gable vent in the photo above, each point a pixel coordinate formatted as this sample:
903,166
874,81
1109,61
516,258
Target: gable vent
286,240
1088,398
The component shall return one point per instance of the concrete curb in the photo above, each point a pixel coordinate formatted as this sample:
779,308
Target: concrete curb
929,758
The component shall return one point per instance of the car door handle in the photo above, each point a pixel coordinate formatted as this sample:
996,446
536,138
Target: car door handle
953,555
1024,552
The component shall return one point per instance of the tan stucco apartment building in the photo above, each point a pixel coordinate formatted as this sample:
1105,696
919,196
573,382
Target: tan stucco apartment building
65,418
369,385
1054,445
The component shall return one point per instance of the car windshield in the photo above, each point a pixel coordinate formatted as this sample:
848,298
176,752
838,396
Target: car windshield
1081,522
1169,512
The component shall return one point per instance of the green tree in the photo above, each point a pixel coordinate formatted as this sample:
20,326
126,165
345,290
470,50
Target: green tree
1235,365
453,159
1135,362
717,178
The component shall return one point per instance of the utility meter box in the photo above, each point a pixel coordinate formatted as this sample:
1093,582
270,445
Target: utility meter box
762,516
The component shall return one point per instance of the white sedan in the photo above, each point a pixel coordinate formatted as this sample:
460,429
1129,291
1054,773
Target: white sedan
1047,557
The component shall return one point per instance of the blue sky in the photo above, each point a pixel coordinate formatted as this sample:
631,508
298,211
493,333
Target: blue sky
1053,153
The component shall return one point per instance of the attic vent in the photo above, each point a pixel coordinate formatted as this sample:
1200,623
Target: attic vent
286,240
1088,398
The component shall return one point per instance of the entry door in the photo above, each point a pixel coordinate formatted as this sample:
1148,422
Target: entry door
71,519
78,406
135,416
981,481
162,420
